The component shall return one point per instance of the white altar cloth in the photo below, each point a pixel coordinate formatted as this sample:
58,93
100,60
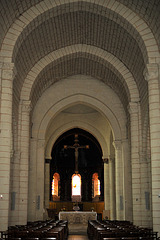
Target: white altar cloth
77,217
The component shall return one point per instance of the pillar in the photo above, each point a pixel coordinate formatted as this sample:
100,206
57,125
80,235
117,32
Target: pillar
128,211
112,188
24,161
106,213
6,80
14,189
152,75
40,208
32,181
135,164
119,180
47,185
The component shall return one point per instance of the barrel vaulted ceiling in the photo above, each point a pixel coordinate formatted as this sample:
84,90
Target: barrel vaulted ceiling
89,24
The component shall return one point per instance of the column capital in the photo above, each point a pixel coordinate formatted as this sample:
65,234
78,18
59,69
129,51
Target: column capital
48,158
6,65
111,158
105,160
7,70
47,161
117,144
26,106
133,107
151,71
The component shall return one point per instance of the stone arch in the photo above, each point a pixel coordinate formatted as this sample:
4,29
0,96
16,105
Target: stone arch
118,65
70,125
112,111
113,5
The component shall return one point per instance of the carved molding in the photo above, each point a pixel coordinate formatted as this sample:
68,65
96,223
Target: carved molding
48,157
6,65
47,161
7,70
111,159
133,108
26,106
151,71
105,160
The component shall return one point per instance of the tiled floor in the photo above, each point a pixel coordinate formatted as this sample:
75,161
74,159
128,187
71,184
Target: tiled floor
77,237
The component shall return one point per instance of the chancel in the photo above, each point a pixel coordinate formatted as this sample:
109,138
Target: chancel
81,178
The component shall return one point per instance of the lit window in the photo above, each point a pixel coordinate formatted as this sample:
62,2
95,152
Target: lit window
95,185
53,188
55,184
76,185
99,192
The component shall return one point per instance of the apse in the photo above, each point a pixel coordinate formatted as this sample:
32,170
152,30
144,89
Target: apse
89,163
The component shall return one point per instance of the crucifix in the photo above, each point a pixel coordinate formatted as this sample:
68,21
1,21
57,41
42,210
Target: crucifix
76,146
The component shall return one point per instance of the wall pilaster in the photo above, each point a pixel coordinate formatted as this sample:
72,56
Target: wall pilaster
24,161
32,181
106,187
112,188
47,183
14,189
6,82
135,164
128,211
152,75
40,208
119,180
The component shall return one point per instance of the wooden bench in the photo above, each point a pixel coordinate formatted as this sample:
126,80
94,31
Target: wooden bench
100,230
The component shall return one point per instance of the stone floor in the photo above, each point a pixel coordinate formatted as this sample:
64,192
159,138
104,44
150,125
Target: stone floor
77,229
77,237
77,232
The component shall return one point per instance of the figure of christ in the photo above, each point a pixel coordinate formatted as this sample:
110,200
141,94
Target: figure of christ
76,146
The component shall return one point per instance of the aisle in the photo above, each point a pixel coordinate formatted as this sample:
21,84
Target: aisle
77,237
77,232
77,229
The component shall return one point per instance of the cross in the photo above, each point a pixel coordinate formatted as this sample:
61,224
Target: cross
76,146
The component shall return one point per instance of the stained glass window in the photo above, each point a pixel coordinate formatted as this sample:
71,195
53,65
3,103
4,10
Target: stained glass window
76,184
95,185
55,184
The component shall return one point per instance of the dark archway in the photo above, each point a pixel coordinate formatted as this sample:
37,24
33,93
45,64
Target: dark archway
89,162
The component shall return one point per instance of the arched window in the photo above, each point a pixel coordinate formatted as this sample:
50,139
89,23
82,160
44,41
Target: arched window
76,187
95,185
55,186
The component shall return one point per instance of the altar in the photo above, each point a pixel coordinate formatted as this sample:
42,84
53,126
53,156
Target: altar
77,217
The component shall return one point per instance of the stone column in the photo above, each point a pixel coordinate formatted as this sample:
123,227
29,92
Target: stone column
119,180
47,182
6,80
24,161
32,191
152,75
128,211
106,188
14,189
112,188
40,180
136,183
47,186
